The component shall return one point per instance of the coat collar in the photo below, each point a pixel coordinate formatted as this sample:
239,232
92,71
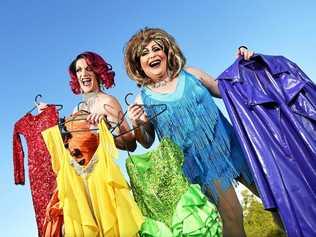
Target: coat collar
275,64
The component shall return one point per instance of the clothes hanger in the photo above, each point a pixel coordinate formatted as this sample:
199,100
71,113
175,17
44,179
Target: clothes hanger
79,104
37,103
116,124
83,113
144,106
76,117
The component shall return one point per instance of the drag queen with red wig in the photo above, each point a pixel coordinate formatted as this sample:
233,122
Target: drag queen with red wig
93,195
89,73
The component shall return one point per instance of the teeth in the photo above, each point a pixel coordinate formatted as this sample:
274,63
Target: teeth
154,63
86,82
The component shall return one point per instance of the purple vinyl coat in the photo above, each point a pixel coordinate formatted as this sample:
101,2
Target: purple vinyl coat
272,106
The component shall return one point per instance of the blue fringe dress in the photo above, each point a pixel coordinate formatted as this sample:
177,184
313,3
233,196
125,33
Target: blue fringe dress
193,121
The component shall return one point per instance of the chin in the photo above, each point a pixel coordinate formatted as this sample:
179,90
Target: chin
87,90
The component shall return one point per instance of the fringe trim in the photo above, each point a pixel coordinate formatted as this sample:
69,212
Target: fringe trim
196,127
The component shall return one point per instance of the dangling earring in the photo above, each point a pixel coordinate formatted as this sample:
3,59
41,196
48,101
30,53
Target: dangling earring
102,87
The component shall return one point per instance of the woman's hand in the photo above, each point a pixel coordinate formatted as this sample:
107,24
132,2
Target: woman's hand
136,114
95,118
145,132
244,52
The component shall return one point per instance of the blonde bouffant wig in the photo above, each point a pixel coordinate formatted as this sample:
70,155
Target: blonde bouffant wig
135,46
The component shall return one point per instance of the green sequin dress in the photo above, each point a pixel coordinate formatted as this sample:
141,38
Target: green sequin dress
172,206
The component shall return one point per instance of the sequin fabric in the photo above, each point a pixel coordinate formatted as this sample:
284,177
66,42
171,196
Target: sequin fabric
42,177
172,207
158,189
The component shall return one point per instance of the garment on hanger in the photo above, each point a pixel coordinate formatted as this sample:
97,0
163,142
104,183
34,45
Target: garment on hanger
95,197
172,207
272,105
82,145
54,219
42,177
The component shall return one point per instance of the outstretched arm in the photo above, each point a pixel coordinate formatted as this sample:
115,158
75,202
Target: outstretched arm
208,80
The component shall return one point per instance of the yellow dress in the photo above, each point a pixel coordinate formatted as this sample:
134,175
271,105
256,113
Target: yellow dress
95,198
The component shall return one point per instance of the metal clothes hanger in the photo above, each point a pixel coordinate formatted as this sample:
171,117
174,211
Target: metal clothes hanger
78,117
115,124
153,117
144,106
120,122
36,101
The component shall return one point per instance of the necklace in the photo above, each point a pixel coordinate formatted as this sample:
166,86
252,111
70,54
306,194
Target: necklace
89,100
89,95
159,84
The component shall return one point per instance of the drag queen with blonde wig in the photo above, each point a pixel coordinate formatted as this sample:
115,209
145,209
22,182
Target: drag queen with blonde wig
212,155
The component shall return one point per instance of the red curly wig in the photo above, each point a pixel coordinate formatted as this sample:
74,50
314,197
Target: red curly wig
99,66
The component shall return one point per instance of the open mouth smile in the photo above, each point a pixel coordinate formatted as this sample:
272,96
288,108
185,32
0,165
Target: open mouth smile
155,63
86,81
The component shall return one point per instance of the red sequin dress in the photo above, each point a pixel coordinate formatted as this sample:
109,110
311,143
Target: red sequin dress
42,177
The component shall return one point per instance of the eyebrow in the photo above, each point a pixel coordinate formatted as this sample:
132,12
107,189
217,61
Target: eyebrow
155,45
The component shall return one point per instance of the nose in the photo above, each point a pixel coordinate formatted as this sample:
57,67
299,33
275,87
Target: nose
84,72
151,54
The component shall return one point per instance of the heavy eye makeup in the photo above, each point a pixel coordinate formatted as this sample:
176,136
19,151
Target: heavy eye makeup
79,69
155,48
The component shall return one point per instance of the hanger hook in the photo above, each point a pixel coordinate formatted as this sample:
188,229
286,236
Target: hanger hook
79,104
127,95
37,98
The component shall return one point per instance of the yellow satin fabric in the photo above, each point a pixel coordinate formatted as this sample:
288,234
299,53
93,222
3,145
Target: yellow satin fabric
100,203
86,142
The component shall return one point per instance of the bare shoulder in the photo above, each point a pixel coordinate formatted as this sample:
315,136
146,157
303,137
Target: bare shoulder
109,100
206,79
195,72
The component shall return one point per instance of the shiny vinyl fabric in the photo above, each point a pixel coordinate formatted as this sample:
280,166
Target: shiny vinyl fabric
272,105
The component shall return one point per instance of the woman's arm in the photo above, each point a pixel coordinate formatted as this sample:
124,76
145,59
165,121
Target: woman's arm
207,80
114,113
145,133
109,107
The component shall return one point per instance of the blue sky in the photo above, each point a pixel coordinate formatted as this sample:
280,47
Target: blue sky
40,38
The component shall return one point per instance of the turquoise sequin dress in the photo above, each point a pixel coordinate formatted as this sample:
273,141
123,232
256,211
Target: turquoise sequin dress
193,121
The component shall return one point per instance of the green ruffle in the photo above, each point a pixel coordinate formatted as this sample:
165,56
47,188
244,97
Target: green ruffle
194,216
